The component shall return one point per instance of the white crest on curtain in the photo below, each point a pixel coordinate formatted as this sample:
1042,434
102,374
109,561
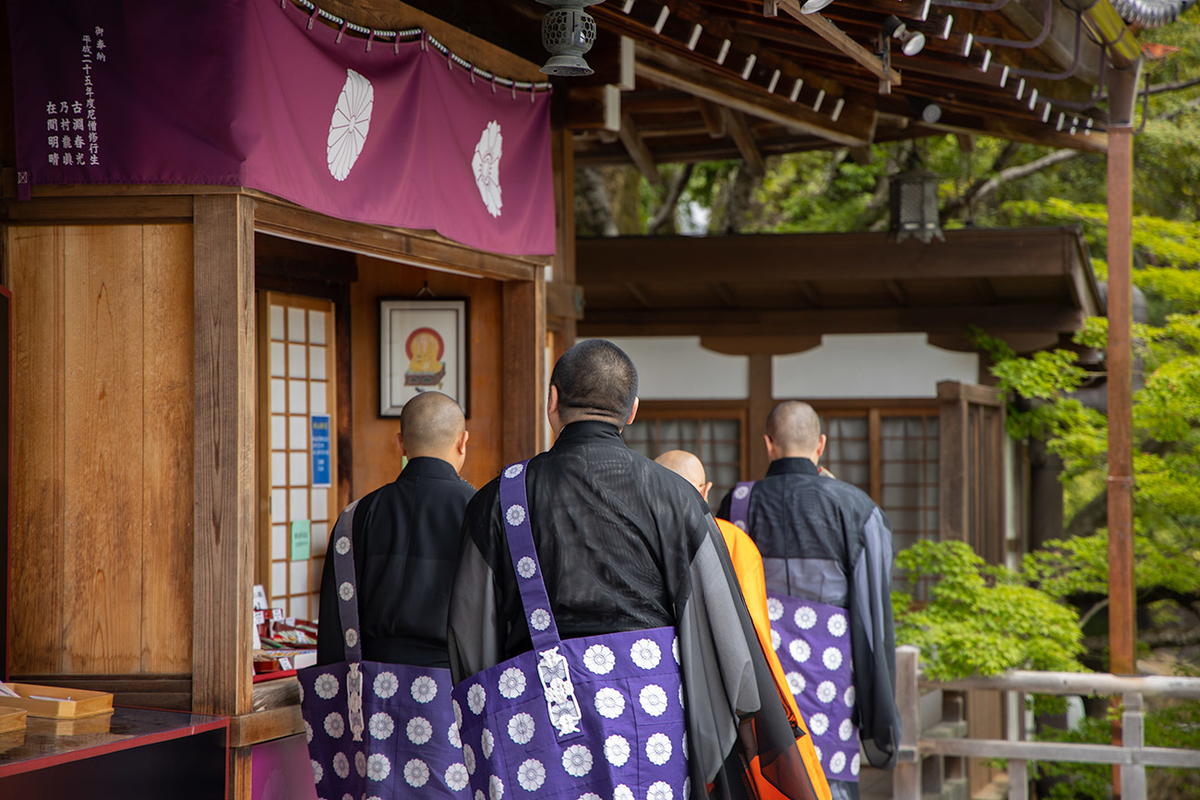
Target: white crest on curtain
486,166
349,125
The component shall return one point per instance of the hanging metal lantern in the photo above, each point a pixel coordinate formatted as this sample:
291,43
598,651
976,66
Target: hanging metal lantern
568,32
915,205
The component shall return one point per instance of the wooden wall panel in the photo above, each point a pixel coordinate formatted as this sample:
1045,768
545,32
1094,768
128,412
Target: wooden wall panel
376,459
101,567
103,467
35,269
167,482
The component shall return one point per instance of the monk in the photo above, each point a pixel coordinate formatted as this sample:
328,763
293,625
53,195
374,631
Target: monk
747,563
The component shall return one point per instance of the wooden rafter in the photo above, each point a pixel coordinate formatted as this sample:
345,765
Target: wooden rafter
743,137
635,145
838,38
855,125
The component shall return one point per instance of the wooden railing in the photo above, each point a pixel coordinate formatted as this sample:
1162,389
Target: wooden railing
1132,756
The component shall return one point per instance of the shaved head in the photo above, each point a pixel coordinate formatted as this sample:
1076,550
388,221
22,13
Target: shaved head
795,429
595,379
431,424
684,463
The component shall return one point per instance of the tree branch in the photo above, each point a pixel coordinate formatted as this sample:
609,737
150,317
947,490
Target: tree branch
964,201
666,211
1014,174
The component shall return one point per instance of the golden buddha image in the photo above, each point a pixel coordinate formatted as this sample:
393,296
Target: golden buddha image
424,348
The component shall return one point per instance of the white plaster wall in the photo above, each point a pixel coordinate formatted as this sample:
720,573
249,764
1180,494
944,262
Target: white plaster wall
870,365
678,368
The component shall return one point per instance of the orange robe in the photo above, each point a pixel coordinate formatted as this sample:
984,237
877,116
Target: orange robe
747,563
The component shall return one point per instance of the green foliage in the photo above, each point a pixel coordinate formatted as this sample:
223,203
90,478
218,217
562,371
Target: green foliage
981,620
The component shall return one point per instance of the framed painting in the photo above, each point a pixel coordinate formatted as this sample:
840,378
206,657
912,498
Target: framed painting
422,348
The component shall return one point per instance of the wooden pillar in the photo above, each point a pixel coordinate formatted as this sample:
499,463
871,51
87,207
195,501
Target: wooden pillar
1122,633
1120,391
761,402
524,332
563,158
224,518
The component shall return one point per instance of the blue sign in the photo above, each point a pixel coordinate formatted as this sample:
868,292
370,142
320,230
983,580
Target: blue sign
322,469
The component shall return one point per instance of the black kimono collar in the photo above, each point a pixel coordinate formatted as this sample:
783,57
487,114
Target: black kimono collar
589,431
429,467
792,466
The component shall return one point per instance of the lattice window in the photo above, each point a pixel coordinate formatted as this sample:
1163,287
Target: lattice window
299,342
717,440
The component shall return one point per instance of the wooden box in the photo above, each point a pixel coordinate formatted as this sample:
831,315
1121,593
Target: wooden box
65,703
12,719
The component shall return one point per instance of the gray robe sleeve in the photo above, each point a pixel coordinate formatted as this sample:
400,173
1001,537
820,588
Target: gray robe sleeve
475,637
873,644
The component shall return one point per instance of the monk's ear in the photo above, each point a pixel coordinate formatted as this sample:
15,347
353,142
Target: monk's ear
400,444
705,488
633,413
821,446
461,445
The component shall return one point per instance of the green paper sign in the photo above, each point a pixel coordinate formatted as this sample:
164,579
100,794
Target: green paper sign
301,539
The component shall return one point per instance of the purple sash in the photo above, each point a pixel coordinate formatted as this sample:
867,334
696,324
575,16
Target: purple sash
587,719
812,641
377,730
739,505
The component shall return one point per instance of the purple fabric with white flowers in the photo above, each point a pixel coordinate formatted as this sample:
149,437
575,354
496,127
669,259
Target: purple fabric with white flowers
585,719
377,731
410,746
812,641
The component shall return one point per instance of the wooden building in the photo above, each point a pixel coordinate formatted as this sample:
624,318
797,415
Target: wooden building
154,325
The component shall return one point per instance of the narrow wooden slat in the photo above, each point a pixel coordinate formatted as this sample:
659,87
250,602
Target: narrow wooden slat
102,475
225,496
167,312
63,210
34,258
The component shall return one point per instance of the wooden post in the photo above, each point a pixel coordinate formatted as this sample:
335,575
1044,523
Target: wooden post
761,402
906,779
524,347
563,160
1122,633
224,519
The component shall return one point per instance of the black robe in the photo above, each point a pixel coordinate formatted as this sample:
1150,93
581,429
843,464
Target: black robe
825,540
407,538
626,545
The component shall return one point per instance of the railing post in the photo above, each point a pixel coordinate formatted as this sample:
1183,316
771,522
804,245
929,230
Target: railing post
906,779
1018,769
1133,776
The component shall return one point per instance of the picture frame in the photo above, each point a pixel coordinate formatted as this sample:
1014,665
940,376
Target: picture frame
422,347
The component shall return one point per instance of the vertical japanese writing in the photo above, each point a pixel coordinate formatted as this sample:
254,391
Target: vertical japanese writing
93,51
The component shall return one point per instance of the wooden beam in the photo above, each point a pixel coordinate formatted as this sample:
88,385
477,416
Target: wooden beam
637,149
979,253
751,322
855,125
593,108
714,121
564,300
417,248
225,490
743,137
838,38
